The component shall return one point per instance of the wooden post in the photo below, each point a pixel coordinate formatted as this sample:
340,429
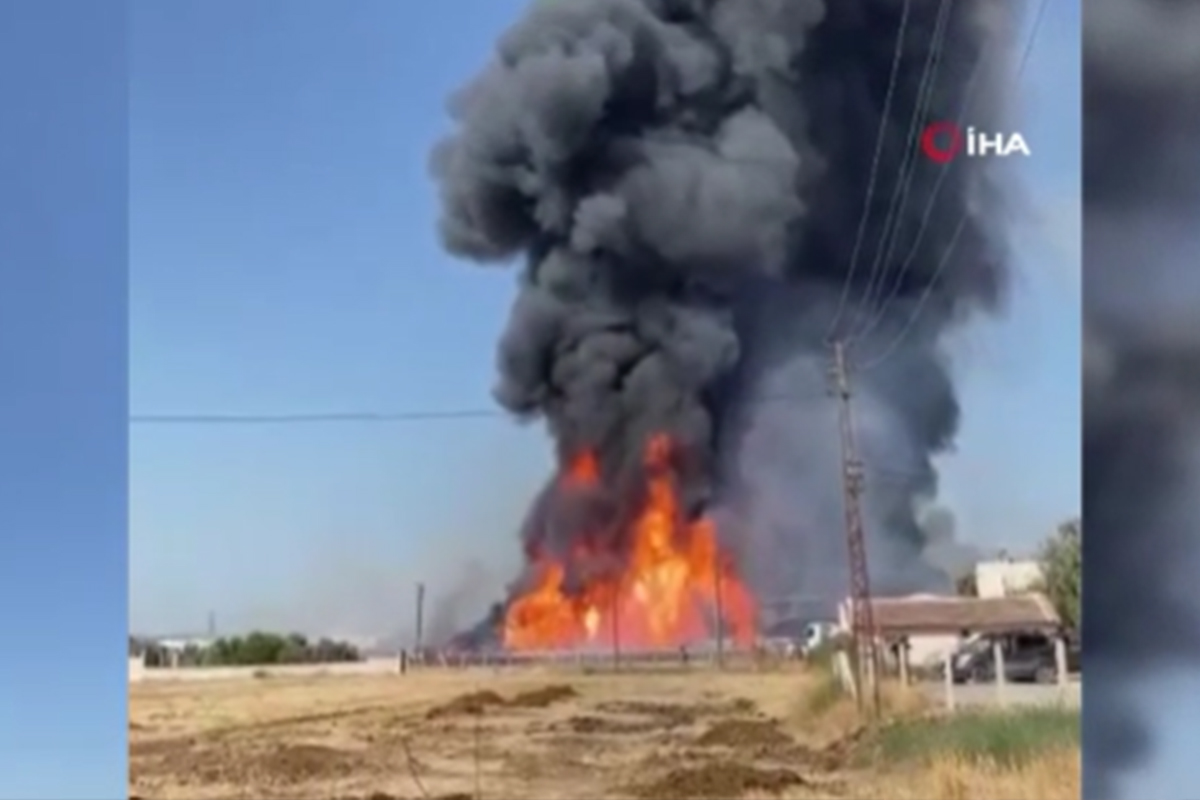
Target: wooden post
998,653
1060,659
846,670
902,654
949,677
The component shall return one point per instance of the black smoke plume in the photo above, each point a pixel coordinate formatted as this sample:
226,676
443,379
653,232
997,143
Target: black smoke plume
1142,365
683,181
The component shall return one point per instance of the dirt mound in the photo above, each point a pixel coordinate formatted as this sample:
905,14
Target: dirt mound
479,702
545,696
666,714
590,725
386,796
471,703
738,705
297,763
718,780
249,764
840,752
744,733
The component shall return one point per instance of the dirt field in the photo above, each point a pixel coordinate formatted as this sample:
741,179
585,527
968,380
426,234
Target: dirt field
529,734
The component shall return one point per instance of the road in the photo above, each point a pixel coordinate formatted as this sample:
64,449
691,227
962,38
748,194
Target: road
1017,694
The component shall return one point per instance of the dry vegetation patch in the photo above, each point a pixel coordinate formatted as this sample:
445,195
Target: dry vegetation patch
529,735
718,780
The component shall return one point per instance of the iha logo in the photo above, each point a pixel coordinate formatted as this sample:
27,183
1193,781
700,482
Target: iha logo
943,141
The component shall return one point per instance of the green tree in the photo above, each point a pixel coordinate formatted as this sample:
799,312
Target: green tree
295,649
1062,571
261,648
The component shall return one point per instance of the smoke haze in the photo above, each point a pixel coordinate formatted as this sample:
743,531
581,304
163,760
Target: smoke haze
683,182
1142,362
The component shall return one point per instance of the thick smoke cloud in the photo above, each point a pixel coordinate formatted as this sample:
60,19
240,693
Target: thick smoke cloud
1142,365
684,182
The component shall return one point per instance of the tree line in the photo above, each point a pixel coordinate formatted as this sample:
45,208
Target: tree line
259,648
1062,572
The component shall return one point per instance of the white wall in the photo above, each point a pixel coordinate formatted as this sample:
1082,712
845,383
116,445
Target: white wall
371,666
927,650
1006,578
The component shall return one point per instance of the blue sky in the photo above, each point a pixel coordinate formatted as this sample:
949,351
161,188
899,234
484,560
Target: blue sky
63,400
284,259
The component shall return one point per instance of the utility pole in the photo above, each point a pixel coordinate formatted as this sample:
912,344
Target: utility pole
720,613
866,668
616,628
420,629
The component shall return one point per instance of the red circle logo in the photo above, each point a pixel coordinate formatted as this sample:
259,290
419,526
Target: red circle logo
941,142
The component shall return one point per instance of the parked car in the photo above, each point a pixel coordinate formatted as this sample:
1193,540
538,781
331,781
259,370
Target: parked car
1028,658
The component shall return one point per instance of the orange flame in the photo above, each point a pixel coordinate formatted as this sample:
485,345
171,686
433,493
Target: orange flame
675,577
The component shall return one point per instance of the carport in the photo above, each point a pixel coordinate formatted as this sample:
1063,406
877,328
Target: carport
899,618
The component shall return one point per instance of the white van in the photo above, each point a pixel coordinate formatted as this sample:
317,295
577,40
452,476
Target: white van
817,634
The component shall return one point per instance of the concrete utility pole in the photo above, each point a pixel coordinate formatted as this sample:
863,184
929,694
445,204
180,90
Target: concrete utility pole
866,668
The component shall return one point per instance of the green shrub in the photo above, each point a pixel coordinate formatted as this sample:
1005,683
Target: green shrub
260,648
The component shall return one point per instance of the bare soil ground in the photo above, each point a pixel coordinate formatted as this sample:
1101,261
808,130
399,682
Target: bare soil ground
532,735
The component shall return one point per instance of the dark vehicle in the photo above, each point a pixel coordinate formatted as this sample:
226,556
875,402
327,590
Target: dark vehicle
1028,658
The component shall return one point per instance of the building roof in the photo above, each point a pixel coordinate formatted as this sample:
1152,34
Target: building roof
928,615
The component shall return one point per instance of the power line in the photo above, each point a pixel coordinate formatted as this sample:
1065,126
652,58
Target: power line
391,417
880,136
897,280
313,418
890,232
958,231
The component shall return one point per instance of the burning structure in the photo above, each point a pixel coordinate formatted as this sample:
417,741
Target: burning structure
701,192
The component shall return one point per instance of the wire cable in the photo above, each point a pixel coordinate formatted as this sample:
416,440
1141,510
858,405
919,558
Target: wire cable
375,418
890,231
874,174
312,418
898,276
944,261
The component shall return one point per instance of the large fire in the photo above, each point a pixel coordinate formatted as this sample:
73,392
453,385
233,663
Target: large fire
672,583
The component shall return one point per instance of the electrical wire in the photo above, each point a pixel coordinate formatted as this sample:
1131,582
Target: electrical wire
898,276
375,418
313,418
890,231
874,174
944,261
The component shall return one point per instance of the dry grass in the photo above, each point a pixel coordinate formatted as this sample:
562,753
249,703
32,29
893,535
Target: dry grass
1056,775
655,735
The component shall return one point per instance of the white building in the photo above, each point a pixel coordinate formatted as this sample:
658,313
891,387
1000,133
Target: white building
924,647
1007,577
932,626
